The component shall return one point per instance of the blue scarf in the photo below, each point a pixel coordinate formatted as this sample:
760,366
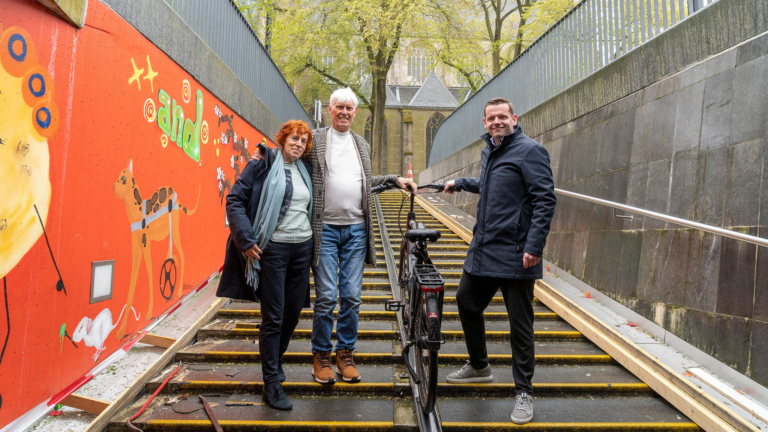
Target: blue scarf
268,212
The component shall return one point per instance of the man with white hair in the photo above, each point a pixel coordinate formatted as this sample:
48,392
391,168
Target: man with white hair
343,233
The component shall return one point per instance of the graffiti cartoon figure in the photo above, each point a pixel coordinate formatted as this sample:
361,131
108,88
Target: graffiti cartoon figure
95,331
152,219
29,117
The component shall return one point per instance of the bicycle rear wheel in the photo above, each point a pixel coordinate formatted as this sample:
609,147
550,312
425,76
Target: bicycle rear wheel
426,358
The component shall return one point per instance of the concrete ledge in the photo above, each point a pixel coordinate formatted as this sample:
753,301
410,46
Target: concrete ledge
72,11
162,26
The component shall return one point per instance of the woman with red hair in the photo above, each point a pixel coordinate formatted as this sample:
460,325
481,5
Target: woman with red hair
270,247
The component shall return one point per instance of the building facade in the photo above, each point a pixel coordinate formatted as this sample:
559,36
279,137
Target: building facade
412,115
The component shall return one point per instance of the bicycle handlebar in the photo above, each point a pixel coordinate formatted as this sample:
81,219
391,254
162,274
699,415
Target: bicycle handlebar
440,187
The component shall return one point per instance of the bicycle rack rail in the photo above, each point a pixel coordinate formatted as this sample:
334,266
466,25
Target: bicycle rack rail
427,422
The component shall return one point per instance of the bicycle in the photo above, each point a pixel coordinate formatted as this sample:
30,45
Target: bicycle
421,301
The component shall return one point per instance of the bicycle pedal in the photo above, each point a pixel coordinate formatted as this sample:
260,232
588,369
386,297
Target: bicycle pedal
393,305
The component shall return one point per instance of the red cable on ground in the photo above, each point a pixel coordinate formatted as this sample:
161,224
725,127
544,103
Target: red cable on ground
150,400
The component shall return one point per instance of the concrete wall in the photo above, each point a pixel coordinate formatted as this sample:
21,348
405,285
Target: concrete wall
692,145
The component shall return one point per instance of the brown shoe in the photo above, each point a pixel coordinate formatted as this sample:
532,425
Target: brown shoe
345,366
321,368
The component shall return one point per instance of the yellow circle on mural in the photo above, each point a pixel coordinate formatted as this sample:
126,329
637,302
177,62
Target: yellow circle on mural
164,140
217,152
204,132
186,91
149,110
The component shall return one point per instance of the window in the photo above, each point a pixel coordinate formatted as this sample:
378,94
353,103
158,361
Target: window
433,123
384,147
102,276
419,66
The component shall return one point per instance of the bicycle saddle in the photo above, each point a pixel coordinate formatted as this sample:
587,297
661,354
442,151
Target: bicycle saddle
422,234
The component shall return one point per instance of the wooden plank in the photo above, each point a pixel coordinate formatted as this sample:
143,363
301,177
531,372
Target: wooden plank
735,396
131,392
83,403
697,405
158,341
454,226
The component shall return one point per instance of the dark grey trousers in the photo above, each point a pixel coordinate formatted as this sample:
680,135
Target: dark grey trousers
283,285
473,297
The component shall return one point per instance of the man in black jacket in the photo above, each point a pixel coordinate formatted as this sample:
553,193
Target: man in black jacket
516,205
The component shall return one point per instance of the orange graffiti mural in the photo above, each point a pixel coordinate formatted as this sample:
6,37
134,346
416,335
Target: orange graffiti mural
77,106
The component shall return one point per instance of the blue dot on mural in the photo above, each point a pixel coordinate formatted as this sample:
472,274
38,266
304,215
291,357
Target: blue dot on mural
23,55
45,122
42,85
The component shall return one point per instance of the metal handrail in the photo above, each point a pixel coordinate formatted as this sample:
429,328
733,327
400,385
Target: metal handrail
676,220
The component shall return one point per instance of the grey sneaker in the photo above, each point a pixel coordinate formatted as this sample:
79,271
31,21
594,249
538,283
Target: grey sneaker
468,374
523,412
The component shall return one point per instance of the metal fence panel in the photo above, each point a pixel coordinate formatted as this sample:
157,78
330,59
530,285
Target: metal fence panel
586,39
223,28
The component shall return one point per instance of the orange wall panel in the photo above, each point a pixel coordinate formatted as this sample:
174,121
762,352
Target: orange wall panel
99,131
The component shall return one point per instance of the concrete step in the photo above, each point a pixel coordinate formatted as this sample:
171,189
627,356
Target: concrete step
612,413
388,352
382,315
251,331
246,412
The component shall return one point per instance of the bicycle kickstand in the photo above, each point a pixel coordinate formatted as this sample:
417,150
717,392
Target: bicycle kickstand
408,365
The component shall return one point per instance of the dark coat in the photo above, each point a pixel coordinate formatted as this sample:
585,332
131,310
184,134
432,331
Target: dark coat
516,205
242,204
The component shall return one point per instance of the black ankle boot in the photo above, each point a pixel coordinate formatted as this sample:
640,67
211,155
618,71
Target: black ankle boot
274,396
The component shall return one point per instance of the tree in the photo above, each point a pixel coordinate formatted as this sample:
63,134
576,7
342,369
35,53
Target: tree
542,15
321,44
496,13
470,27
471,31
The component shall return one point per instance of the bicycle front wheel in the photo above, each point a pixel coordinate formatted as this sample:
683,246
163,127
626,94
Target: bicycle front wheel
426,358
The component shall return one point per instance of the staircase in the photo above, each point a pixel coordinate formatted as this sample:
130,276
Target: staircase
577,386
223,365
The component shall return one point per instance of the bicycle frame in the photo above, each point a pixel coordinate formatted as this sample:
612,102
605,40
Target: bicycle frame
419,263
421,304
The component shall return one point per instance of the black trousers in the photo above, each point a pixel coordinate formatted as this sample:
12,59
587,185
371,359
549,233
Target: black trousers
473,297
283,285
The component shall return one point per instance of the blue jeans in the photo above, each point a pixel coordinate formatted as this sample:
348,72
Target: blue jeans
339,272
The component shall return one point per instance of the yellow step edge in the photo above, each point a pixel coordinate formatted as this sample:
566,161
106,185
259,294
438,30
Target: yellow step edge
571,427
446,300
251,330
382,314
272,425
379,387
256,386
551,387
306,357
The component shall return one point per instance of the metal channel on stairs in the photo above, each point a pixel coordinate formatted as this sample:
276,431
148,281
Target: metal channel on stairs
577,386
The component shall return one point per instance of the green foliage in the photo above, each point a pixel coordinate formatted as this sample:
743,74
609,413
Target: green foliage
542,15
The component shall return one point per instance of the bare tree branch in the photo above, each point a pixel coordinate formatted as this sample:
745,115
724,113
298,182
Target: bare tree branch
327,75
467,75
504,17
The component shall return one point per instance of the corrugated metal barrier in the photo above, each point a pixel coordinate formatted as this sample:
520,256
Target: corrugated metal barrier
589,37
221,25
